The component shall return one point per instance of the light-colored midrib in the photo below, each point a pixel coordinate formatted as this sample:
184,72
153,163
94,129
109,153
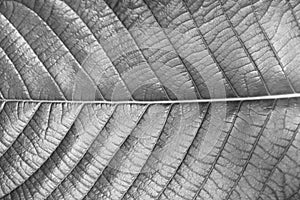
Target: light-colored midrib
284,96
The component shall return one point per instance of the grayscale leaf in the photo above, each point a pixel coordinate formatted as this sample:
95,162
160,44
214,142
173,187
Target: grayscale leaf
149,99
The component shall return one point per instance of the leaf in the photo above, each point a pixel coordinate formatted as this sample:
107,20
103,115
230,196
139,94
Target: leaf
140,99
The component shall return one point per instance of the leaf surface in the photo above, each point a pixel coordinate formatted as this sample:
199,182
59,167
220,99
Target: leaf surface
140,99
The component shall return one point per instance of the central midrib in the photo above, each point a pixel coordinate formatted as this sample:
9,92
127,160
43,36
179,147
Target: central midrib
270,97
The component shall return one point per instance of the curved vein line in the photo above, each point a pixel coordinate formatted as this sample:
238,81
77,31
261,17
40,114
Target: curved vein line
86,151
150,155
236,182
11,146
109,162
2,105
134,40
1,95
279,160
271,46
207,176
209,50
96,38
47,160
7,115
21,131
293,13
291,197
244,47
186,152
50,75
198,93
48,120
63,42
19,74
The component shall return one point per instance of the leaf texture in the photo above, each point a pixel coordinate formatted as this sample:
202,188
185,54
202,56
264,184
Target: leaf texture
149,99
148,50
101,151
